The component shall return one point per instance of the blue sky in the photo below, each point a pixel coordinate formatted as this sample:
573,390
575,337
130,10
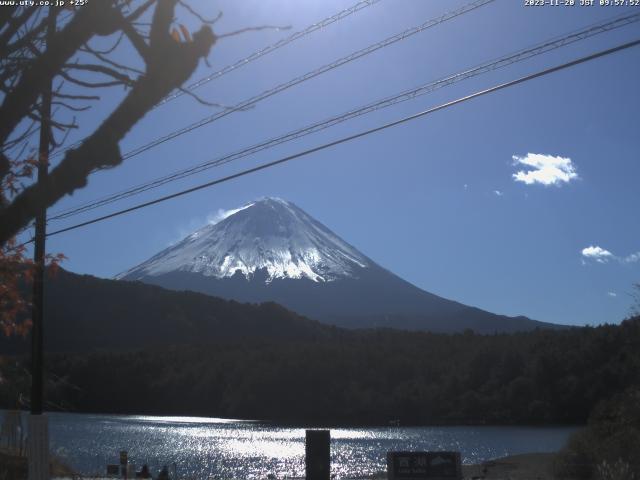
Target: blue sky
439,201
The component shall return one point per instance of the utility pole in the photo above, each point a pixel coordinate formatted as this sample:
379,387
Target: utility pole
38,447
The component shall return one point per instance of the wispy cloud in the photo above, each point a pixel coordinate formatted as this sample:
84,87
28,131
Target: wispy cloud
633,258
197,223
221,214
544,169
612,294
602,255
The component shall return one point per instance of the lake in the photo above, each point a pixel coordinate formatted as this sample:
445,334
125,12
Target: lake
217,448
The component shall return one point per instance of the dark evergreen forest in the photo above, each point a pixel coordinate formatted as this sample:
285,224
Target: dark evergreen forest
352,377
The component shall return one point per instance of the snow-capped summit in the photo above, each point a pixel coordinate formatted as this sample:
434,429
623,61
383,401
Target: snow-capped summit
269,234
271,250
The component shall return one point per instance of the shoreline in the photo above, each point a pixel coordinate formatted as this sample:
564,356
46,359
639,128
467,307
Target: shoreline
526,466
518,466
302,424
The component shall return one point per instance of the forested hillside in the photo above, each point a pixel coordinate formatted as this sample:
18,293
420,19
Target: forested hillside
85,313
365,377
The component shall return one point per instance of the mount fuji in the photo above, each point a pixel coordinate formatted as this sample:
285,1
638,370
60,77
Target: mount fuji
271,250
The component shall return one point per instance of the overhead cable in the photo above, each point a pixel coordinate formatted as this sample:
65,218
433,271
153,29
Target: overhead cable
509,59
250,102
349,138
273,47
307,76
255,56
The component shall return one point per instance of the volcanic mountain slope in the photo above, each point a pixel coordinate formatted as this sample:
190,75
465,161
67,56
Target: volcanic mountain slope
271,250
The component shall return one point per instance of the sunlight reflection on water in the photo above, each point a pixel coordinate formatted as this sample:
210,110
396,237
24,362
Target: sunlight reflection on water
203,448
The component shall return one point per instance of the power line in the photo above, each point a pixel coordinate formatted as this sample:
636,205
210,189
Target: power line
308,76
250,102
360,5
480,93
273,47
509,59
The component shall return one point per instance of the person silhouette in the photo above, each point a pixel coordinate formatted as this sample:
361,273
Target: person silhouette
164,474
144,472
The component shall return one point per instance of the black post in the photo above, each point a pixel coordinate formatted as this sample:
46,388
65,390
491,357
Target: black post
40,235
317,455
38,456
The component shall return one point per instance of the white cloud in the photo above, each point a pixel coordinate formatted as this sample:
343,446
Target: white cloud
598,254
498,193
602,255
612,294
544,169
633,258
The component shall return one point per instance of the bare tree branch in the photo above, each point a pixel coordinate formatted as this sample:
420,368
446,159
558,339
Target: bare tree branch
101,69
57,143
100,56
24,41
213,104
76,97
110,49
13,25
101,149
87,84
140,10
188,8
73,108
5,165
136,39
95,18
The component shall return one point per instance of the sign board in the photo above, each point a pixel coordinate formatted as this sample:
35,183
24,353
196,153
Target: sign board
424,465
123,457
